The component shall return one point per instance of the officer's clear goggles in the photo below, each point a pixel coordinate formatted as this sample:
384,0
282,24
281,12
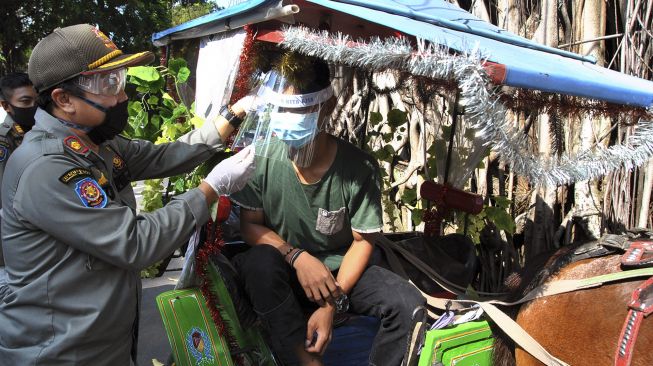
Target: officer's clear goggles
108,83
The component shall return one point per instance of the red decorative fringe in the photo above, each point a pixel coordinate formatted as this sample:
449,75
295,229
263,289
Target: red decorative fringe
212,247
242,84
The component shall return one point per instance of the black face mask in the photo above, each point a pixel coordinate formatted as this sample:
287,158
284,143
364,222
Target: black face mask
115,121
24,116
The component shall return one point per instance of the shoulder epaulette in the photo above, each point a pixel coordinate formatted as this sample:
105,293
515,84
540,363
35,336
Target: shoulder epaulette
75,145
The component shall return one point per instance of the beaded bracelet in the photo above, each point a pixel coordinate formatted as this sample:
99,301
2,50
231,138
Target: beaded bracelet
295,256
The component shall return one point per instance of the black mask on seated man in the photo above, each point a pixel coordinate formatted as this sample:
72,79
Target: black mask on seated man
24,116
115,121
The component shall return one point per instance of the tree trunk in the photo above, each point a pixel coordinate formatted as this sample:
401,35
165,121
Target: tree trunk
591,14
539,235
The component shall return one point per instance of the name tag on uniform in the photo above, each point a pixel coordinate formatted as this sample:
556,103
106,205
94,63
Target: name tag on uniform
74,173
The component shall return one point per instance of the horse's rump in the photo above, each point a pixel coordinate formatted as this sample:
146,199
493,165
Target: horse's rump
581,327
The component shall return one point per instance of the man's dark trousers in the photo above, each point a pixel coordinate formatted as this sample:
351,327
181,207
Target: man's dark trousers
278,299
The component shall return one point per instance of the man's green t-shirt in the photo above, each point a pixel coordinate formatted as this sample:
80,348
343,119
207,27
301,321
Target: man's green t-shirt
317,217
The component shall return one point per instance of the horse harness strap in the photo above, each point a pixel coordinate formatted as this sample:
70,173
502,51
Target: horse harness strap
639,254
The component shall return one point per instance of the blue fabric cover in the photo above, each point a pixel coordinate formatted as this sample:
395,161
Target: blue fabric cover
528,64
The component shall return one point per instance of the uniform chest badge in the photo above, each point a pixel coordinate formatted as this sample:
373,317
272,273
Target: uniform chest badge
74,144
90,193
118,163
199,345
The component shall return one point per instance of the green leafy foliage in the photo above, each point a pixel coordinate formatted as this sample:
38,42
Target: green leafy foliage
129,23
157,117
496,214
184,11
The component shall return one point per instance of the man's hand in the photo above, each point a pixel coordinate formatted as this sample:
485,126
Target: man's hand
318,330
316,279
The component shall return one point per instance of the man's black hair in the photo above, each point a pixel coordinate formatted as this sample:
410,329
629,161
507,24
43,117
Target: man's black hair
318,78
10,82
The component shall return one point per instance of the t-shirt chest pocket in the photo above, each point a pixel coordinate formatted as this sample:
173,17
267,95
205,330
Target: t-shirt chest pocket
330,222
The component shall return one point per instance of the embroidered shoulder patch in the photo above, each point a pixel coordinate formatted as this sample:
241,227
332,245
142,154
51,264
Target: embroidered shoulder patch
4,151
90,193
74,173
74,144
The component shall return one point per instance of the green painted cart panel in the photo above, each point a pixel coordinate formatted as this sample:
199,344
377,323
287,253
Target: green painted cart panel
193,337
468,344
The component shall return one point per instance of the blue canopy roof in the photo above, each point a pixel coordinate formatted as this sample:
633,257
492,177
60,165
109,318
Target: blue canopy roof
528,64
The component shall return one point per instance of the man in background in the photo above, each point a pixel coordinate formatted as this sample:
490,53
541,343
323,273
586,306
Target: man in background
18,99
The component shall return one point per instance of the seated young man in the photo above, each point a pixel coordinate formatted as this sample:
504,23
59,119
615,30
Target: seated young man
311,212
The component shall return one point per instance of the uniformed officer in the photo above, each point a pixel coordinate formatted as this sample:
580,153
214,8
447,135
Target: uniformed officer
18,99
74,243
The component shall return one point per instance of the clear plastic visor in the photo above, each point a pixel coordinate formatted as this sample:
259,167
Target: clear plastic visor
283,125
108,83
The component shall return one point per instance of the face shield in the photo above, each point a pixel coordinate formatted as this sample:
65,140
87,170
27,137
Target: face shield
283,124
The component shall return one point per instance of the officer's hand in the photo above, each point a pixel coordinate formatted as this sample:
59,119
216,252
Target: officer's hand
316,279
231,174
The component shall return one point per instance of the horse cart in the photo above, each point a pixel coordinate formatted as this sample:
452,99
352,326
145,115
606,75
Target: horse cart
441,88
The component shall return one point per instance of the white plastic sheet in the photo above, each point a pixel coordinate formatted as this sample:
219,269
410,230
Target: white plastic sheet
217,67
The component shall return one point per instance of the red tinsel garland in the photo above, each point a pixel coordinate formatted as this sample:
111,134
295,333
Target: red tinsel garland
212,247
242,84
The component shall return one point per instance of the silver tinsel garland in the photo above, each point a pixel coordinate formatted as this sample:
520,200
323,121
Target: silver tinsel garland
483,109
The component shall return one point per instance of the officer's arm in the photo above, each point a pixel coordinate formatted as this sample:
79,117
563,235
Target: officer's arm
80,215
146,160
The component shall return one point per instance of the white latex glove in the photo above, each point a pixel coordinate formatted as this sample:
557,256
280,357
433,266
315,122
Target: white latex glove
231,174
246,103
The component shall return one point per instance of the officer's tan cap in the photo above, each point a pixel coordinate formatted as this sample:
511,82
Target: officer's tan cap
74,50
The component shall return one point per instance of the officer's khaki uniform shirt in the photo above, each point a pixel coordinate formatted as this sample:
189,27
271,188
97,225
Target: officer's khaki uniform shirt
11,135
74,244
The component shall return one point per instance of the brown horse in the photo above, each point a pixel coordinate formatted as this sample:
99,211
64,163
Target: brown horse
582,327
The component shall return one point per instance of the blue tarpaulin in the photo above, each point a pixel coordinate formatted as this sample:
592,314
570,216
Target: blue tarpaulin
528,64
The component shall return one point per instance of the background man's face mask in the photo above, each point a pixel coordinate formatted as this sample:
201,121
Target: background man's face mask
24,116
